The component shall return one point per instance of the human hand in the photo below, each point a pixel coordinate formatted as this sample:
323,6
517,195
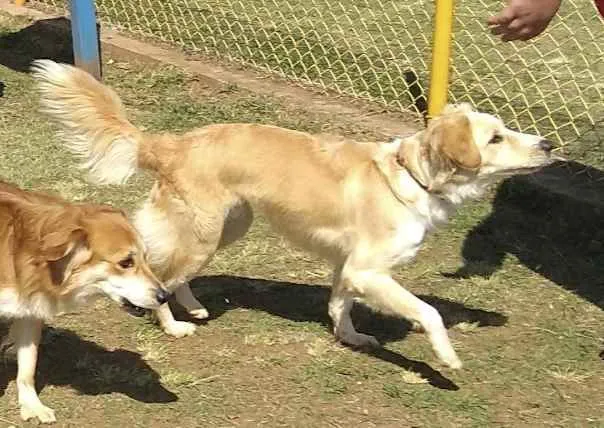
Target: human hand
523,19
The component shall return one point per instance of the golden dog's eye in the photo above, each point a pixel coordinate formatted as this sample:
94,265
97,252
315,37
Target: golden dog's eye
126,263
496,139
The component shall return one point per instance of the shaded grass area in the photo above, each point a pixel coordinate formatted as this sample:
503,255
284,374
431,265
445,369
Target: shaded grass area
522,308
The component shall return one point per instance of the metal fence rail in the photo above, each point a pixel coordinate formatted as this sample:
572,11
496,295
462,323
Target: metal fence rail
380,50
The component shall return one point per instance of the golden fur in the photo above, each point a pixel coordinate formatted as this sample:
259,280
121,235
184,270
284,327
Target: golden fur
365,207
55,256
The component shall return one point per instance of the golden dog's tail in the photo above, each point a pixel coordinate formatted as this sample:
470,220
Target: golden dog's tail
93,123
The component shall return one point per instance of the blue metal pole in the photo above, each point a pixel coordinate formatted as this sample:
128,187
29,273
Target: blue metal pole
85,37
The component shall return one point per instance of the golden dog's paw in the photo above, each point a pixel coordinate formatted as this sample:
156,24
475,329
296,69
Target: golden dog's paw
180,328
417,327
200,314
45,414
450,359
359,340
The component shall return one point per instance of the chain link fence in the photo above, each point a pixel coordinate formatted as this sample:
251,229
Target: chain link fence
380,50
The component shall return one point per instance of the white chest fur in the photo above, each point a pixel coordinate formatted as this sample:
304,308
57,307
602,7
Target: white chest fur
14,306
408,239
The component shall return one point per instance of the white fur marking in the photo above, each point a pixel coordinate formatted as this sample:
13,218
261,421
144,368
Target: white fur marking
157,234
13,306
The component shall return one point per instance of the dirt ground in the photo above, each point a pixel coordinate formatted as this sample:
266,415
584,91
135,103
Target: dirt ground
518,278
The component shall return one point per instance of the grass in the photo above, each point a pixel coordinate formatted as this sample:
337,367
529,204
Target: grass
377,50
517,278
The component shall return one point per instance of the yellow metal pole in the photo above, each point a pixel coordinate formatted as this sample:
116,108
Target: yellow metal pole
441,52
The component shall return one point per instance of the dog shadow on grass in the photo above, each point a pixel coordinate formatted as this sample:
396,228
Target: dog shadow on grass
68,360
44,38
308,303
553,222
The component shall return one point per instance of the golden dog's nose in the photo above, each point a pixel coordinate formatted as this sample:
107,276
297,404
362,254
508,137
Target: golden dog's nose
162,296
546,145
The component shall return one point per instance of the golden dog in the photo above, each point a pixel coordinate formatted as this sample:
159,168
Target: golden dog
365,207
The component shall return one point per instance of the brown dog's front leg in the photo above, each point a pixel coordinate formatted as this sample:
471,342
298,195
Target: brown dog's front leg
170,325
26,333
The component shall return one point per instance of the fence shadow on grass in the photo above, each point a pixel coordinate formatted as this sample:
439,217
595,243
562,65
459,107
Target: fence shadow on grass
66,359
307,303
553,222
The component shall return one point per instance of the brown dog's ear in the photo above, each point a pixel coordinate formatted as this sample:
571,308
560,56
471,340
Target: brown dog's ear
64,250
450,136
89,209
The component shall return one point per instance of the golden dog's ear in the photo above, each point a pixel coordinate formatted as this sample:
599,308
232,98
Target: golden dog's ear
450,137
457,108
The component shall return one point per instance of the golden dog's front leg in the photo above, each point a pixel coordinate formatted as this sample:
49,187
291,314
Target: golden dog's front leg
26,333
381,292
340,304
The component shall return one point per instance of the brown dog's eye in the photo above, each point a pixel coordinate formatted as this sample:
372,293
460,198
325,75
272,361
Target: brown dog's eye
126,263
496,139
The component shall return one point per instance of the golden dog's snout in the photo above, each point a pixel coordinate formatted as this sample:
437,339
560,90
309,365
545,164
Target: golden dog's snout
162,295
546,145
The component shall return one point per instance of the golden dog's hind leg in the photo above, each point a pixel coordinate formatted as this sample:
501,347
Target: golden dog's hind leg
184,296
26,333
236,224
203,241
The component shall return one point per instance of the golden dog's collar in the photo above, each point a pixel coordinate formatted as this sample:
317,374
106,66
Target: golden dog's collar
402,161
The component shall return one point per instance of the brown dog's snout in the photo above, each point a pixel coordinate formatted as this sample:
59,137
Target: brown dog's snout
162,296
546,145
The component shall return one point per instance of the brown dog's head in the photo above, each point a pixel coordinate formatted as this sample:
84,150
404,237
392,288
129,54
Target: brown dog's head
90,250
463,145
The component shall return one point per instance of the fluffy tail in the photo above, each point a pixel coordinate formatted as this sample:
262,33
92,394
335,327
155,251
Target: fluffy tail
92,120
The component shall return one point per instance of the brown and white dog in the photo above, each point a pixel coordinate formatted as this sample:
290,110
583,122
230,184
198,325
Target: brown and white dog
365,207
56,256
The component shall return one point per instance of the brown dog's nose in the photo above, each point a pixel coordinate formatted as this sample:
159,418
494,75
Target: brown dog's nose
162,296
546,145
